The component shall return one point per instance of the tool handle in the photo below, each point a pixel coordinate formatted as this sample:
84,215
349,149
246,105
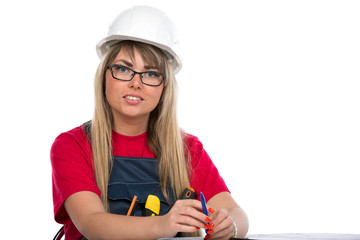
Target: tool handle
188,193
152,206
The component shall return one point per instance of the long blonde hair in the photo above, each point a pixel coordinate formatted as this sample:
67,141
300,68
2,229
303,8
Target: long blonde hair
163,135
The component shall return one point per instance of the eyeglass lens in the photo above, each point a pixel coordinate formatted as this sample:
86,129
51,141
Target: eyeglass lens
124,73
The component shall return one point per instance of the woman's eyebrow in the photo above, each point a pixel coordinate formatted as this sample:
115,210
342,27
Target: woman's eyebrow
147,67
129,64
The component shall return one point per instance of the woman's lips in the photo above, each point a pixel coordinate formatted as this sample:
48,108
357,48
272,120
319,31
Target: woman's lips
133,99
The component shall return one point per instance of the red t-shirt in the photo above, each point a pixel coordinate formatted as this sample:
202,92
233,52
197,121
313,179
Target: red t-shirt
72,169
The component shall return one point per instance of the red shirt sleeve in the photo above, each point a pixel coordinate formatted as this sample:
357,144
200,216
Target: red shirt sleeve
72,169
204,176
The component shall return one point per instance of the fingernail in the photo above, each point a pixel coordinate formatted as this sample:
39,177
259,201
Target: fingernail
207,236
207,219
197,228
208,226
211,210
210,231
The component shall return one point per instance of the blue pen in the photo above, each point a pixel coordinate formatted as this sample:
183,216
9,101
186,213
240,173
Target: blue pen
203,204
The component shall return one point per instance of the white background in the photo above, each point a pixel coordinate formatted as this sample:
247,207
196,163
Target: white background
271,88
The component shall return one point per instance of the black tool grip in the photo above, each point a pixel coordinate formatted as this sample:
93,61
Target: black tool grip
148,212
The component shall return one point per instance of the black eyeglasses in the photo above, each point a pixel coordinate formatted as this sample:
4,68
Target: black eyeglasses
150,78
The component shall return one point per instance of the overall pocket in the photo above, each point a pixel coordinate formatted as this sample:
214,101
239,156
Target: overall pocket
121,194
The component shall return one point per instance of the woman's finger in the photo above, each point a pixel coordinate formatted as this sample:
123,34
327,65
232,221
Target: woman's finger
224,227
186,213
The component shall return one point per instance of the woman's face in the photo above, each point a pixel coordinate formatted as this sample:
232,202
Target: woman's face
132,100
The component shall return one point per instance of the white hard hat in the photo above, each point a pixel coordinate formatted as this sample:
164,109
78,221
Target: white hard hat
143,24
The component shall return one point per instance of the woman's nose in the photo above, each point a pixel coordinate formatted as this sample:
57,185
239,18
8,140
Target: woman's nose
136,81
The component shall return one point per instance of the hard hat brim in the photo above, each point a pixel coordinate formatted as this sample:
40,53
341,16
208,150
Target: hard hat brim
104,45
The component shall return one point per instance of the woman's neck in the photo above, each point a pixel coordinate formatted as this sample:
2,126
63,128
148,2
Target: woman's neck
130,127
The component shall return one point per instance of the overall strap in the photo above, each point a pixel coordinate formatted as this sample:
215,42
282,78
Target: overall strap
87,128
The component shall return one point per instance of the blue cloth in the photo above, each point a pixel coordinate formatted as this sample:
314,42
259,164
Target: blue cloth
135,176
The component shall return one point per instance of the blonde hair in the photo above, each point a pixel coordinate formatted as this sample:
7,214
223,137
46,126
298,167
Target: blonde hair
163,135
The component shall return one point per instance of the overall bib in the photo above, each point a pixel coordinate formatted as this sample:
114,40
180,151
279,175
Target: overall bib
135,176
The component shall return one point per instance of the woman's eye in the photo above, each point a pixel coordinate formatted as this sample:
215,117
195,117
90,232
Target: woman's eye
152,74
122,69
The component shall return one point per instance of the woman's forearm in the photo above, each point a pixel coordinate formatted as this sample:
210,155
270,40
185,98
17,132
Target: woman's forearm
112,226
88,214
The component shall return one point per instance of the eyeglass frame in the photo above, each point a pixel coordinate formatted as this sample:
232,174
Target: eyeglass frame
134,73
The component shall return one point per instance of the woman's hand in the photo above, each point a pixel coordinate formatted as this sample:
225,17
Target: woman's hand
224,227
184,216
228,213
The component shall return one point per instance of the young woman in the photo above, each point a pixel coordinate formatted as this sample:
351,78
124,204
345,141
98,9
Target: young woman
133,146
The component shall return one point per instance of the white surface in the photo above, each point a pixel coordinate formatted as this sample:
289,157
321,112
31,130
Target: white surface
270,87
